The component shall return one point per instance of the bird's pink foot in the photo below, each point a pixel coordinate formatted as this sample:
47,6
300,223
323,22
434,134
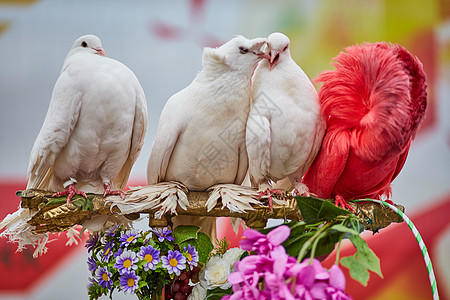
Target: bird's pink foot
268,192
70,191
109,192
296,192
340,202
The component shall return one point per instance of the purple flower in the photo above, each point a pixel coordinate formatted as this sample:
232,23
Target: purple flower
147,239
191,256
107,251
174,262
93,239
263,244
112,230
163,234
126,262
118,253
92,265
103,277
129,237
91,282
151,257
129,282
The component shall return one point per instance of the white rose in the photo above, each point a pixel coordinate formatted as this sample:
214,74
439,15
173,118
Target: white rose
232,255
198,293
216,273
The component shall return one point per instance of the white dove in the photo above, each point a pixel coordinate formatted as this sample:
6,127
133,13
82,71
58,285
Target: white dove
94,128
200,140
90,139
285,127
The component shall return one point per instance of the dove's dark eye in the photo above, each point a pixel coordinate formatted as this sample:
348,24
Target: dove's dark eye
84,44
243,50
285,48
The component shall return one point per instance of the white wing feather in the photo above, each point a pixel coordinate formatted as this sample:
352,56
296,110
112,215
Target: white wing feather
60,120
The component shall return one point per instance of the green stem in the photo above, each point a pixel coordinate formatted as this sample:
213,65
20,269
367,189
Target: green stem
308,243
314,246
338,250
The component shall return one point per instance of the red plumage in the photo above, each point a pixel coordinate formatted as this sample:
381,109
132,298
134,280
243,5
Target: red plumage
373,103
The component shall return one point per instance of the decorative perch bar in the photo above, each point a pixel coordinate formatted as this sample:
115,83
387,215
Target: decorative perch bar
54,215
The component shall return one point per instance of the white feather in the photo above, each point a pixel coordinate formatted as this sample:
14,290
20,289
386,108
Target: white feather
234,197
166,195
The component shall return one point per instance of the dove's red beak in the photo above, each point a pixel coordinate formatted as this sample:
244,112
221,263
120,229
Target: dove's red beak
273,60
100,51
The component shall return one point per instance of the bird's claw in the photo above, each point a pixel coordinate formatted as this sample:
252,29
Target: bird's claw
268,192
71,191
116,193
296,193
340,202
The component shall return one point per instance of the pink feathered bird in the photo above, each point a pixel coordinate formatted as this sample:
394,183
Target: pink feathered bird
373,104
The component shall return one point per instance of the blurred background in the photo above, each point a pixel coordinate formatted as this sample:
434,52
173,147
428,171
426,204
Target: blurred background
162,42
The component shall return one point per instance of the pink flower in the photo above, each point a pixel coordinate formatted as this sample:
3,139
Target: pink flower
273,274
335,290
277,287
307,286
246,287
254,263
263,244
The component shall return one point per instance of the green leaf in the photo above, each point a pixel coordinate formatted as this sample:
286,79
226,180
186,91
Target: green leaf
357,271
295,242
218,293
345,229
314,209
363,261
152,243
297,227
56,201
204,247
293,246
366,256
142,283
141,263
185,232
83,203
326,244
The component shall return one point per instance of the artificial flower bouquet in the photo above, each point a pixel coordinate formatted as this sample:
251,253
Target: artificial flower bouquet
272,263
143,263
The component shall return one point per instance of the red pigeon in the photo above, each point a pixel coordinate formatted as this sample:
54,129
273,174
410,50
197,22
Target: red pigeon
373,103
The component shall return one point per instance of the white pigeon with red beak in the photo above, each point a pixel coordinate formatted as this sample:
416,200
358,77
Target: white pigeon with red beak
92,135
285,127
200,141
94,128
